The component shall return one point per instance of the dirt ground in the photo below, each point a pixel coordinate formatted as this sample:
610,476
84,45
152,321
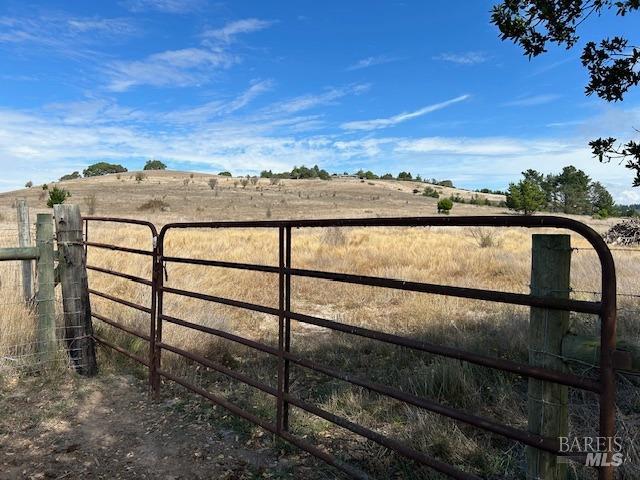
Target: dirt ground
106,428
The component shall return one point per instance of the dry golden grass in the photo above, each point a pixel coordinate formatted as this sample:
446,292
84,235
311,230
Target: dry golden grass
448,256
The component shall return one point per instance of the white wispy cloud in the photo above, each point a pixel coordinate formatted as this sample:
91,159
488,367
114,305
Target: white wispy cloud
178,68
401,117
183,67
218,107
59,30
328,97
371,61
464,58
532,100
228,32
167,6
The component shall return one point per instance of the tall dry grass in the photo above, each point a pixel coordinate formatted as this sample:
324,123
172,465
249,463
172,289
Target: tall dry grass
447,256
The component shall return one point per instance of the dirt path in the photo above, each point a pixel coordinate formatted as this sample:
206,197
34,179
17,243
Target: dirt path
106,428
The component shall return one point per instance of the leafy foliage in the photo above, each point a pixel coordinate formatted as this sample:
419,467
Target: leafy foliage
225,174
70,176
29,184
445,205
57,196
154,165
613,65
301,172
430,192
102,168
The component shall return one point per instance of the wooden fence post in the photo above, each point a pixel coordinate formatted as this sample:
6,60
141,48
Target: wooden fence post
75,289
45,297
24,240
548,402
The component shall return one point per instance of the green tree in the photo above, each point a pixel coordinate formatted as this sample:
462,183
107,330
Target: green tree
612,64
70,176
154,165
525,196
405,176
29,184
601,200
572,187
225,174
56,196
102,168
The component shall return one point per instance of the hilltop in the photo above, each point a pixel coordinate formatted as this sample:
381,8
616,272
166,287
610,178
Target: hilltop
175,194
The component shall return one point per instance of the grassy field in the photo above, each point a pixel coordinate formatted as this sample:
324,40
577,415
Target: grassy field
493,259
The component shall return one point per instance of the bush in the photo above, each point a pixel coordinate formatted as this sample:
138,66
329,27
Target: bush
445,183
405,176
45,186
140,177
154,165
484,237
57,196
70,176
213,183
386,176
274,180
225,174
445,205
154,204
29,184
244,182
430,192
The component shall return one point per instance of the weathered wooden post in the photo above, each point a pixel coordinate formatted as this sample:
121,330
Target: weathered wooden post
548,402
24,240
75,289
45,297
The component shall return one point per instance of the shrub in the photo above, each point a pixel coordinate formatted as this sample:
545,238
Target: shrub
154,165
244,182
45,186
405,176
140,177
445,205
29,184
102,168
416,191
57,196
225,174
254,180
70,176
430,192
274,180
484,237
386,176
154,204
445,183
213,183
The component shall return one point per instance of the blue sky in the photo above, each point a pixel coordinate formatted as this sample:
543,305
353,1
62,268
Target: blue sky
252,85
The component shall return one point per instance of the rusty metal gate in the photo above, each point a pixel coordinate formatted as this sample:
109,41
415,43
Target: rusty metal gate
603,386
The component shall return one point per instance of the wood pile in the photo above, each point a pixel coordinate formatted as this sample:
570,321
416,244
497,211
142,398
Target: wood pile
624,233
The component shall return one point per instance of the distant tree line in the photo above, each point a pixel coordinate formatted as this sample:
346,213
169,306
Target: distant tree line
106,168
301,172
571,191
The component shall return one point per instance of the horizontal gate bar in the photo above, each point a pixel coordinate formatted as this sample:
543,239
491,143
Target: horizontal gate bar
119,248
382,440
452,291
224,301
220,263
121,350
120,301
120,326
19,253
497,363
537,441
300,443
221,333
219,368
133,278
